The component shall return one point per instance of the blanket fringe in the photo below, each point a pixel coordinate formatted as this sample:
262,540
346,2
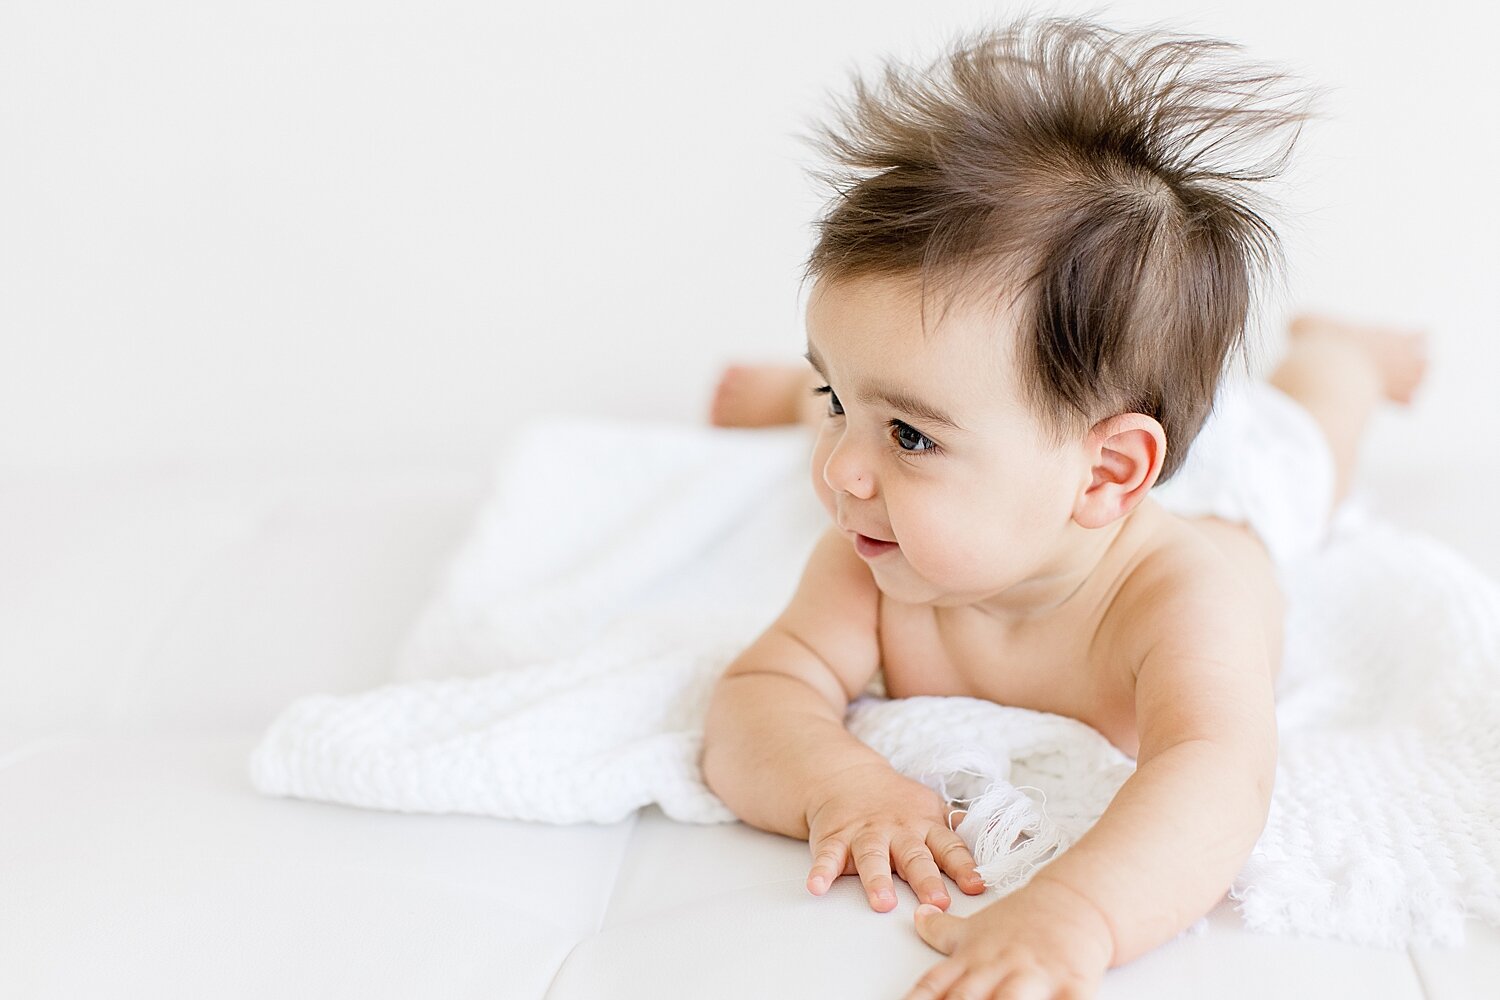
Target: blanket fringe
1010,835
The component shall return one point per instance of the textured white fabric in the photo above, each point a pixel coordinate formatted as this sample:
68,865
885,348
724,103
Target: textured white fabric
1262,460
562,672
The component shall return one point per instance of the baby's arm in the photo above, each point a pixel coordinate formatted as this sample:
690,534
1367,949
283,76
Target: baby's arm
777,752
1171,842
775,724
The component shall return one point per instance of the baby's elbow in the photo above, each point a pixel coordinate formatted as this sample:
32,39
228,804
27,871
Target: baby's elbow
1265,772
708,766
711,745
1264,787
717,766
1265,781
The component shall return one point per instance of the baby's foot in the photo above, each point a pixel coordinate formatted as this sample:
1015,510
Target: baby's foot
761,396
1400,356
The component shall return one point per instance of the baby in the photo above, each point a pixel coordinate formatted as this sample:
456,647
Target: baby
1040,261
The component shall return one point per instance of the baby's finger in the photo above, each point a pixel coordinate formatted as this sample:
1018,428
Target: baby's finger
936,981
982,982
1027,984
953,855
872,857
829,859
914,862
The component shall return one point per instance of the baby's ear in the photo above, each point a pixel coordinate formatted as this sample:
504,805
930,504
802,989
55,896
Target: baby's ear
1125,453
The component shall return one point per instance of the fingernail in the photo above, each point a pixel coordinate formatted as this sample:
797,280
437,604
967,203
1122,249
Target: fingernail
885,896
818,883
927,909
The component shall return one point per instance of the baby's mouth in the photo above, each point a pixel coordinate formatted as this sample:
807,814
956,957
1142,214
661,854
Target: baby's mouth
872,547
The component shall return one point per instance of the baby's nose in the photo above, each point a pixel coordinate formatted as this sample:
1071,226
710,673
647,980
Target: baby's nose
846,471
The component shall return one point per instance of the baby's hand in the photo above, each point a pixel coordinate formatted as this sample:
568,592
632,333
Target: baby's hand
870,817
1043,940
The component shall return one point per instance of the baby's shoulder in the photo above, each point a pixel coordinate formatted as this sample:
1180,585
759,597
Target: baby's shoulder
1187,589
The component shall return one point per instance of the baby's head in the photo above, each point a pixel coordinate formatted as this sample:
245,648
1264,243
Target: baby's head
1069,199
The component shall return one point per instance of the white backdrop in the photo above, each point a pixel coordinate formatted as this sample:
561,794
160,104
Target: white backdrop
295,229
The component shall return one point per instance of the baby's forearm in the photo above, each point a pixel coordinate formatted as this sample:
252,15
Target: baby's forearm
1170,844
769,741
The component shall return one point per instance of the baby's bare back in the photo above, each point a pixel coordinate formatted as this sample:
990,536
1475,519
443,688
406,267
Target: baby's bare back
1083,663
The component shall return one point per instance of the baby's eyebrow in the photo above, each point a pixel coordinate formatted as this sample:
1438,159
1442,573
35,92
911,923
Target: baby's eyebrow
899,398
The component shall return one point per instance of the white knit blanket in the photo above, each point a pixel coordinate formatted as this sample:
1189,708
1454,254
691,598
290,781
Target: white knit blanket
562,671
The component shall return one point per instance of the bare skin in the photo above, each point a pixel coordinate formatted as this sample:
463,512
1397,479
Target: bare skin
1033,575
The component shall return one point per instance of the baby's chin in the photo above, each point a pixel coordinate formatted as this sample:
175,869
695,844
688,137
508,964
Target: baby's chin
904,586
898,580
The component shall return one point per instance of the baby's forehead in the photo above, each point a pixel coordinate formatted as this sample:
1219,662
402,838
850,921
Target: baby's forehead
895,321
954,348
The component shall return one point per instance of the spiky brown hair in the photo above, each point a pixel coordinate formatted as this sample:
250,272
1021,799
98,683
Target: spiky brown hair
1093,177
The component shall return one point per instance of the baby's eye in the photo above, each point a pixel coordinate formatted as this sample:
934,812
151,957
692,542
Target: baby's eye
907,433
835,407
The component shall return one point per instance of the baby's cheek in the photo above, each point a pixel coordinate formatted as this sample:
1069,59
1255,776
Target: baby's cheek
932,551
950,549
825,497
820,485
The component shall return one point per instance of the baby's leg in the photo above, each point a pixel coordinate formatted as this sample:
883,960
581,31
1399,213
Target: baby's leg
767,396
1340,372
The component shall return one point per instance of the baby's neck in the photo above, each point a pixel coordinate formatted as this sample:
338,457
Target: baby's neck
1079,581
